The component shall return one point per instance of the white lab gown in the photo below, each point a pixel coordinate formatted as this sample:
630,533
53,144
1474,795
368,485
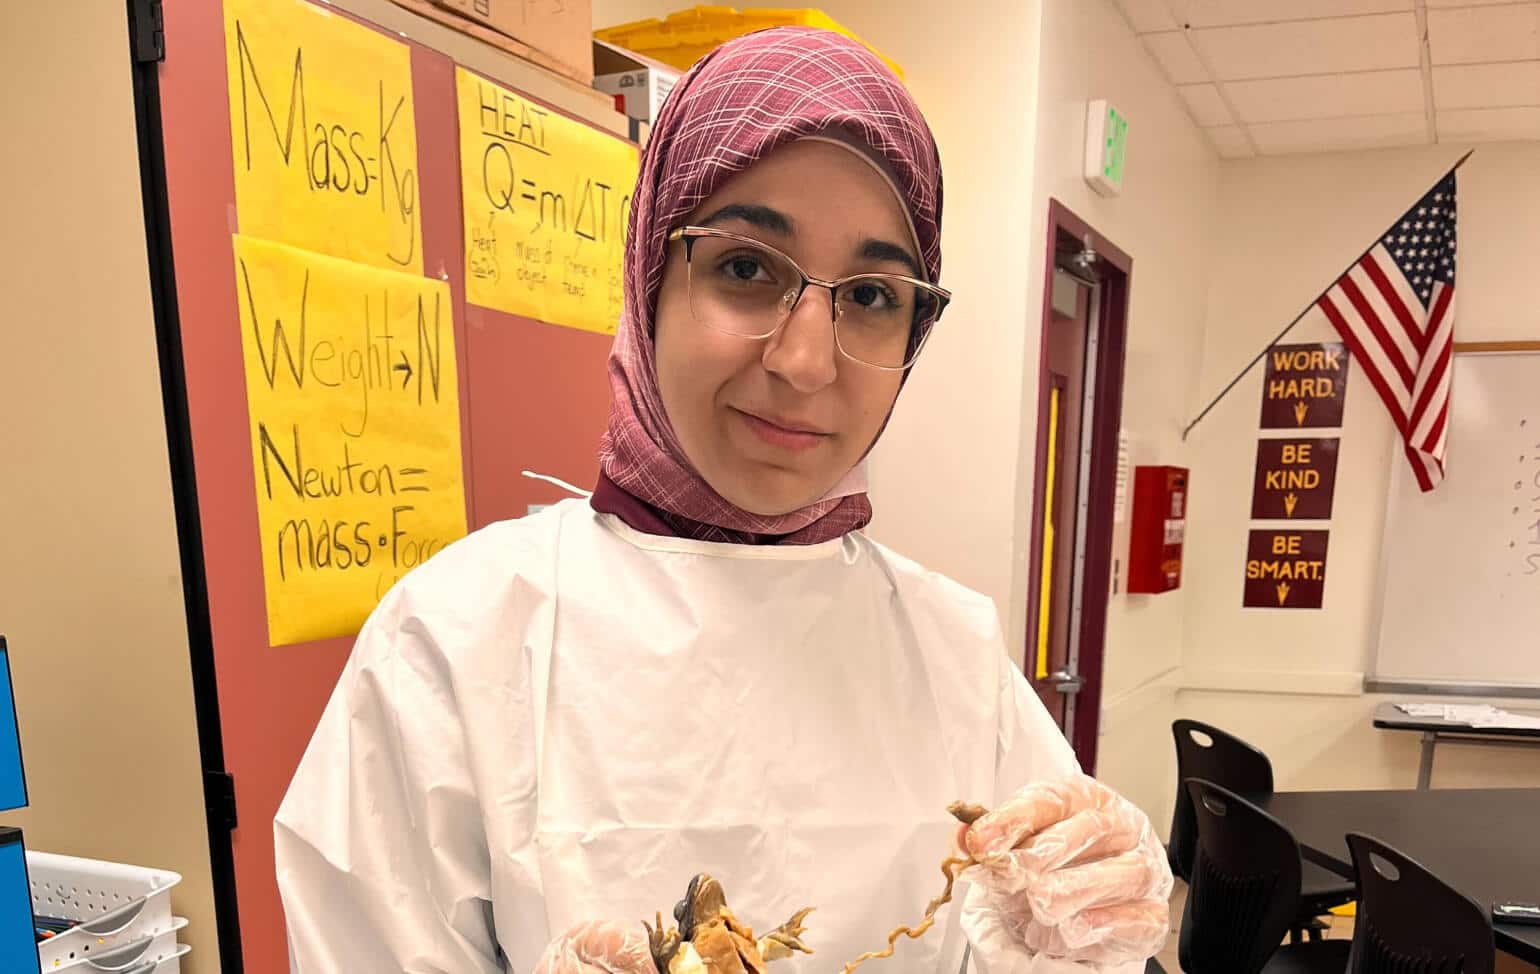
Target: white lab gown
559,719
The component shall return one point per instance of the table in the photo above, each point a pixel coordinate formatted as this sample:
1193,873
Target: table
1483,842
1434,729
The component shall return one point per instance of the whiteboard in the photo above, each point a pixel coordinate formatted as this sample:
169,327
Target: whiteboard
1461,565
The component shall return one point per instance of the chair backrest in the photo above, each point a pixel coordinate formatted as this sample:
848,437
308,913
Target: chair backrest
1244,891
1412,922
1209,753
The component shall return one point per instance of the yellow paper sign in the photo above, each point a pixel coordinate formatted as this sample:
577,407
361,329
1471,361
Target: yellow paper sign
324,133
546,204
355,431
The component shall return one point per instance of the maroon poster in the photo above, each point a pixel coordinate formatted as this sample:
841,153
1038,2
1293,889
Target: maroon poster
1305,386
1295,479
1285,570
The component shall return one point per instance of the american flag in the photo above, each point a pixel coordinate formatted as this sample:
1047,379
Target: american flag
1395,310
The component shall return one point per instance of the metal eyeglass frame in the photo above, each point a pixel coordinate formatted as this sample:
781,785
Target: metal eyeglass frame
690,234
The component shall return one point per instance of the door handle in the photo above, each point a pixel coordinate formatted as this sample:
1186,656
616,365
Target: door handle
1065,682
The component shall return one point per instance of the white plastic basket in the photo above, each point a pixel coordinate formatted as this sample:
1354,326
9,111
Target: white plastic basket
159,953
116,905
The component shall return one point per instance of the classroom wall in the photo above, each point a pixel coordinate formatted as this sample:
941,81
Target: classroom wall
953,477
90,585
1290,682
91,582
1166,219
943,477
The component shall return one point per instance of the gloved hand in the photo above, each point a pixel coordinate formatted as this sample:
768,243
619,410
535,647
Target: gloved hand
599,948
1070,870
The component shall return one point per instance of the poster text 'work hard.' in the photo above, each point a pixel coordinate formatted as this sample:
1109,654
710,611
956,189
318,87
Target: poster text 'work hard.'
323,132
353,399
546,202
1305,386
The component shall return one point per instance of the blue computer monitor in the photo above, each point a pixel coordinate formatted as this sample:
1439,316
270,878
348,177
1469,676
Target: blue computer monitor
13,781
18,937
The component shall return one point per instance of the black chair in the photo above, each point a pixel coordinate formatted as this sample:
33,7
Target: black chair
1412,922
1244,894
1206,752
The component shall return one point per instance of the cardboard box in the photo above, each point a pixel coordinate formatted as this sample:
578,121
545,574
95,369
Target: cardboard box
562,29
639,83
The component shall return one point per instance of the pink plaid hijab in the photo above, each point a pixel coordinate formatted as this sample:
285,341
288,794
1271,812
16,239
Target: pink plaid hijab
737,105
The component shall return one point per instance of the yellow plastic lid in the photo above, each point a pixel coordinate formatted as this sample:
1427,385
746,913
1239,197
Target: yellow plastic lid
682,38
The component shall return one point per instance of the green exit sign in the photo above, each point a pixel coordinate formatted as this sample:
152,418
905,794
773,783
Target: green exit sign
1106,147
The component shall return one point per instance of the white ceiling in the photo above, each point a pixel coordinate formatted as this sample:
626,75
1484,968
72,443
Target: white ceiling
1270,77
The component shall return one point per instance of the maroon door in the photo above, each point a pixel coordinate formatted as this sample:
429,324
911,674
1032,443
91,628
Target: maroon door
1085,304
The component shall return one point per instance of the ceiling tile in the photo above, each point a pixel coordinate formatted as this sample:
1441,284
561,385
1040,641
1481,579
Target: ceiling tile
1326,96
1230,141
1310,47
1473,35
1487,85
1148,15
1205,105
1227,13
1176,57
1489,125
1329,134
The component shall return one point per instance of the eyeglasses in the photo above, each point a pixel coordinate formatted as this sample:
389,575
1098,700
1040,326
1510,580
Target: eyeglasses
746,288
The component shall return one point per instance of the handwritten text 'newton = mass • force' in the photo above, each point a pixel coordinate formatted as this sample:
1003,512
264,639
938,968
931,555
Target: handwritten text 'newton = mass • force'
306,544
352,391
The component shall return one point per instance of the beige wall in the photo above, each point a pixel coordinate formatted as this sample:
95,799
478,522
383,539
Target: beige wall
953,477
1312,215
90,586
944,475
612,13
953,480
1166,218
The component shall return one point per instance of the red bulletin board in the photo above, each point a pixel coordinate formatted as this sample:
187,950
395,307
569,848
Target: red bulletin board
533,396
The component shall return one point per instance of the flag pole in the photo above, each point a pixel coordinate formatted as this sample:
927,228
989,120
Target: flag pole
1299,317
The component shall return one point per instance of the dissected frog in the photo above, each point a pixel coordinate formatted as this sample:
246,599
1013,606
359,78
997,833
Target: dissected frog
711,940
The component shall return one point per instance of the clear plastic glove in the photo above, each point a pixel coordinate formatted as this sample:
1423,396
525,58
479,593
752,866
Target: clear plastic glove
599,948
1072,870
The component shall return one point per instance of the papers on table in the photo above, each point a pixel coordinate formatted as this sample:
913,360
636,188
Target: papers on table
1478,716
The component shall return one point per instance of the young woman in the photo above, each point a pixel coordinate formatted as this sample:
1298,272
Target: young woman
548,729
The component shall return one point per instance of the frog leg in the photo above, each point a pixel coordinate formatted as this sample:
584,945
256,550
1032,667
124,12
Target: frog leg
786,938
663,942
